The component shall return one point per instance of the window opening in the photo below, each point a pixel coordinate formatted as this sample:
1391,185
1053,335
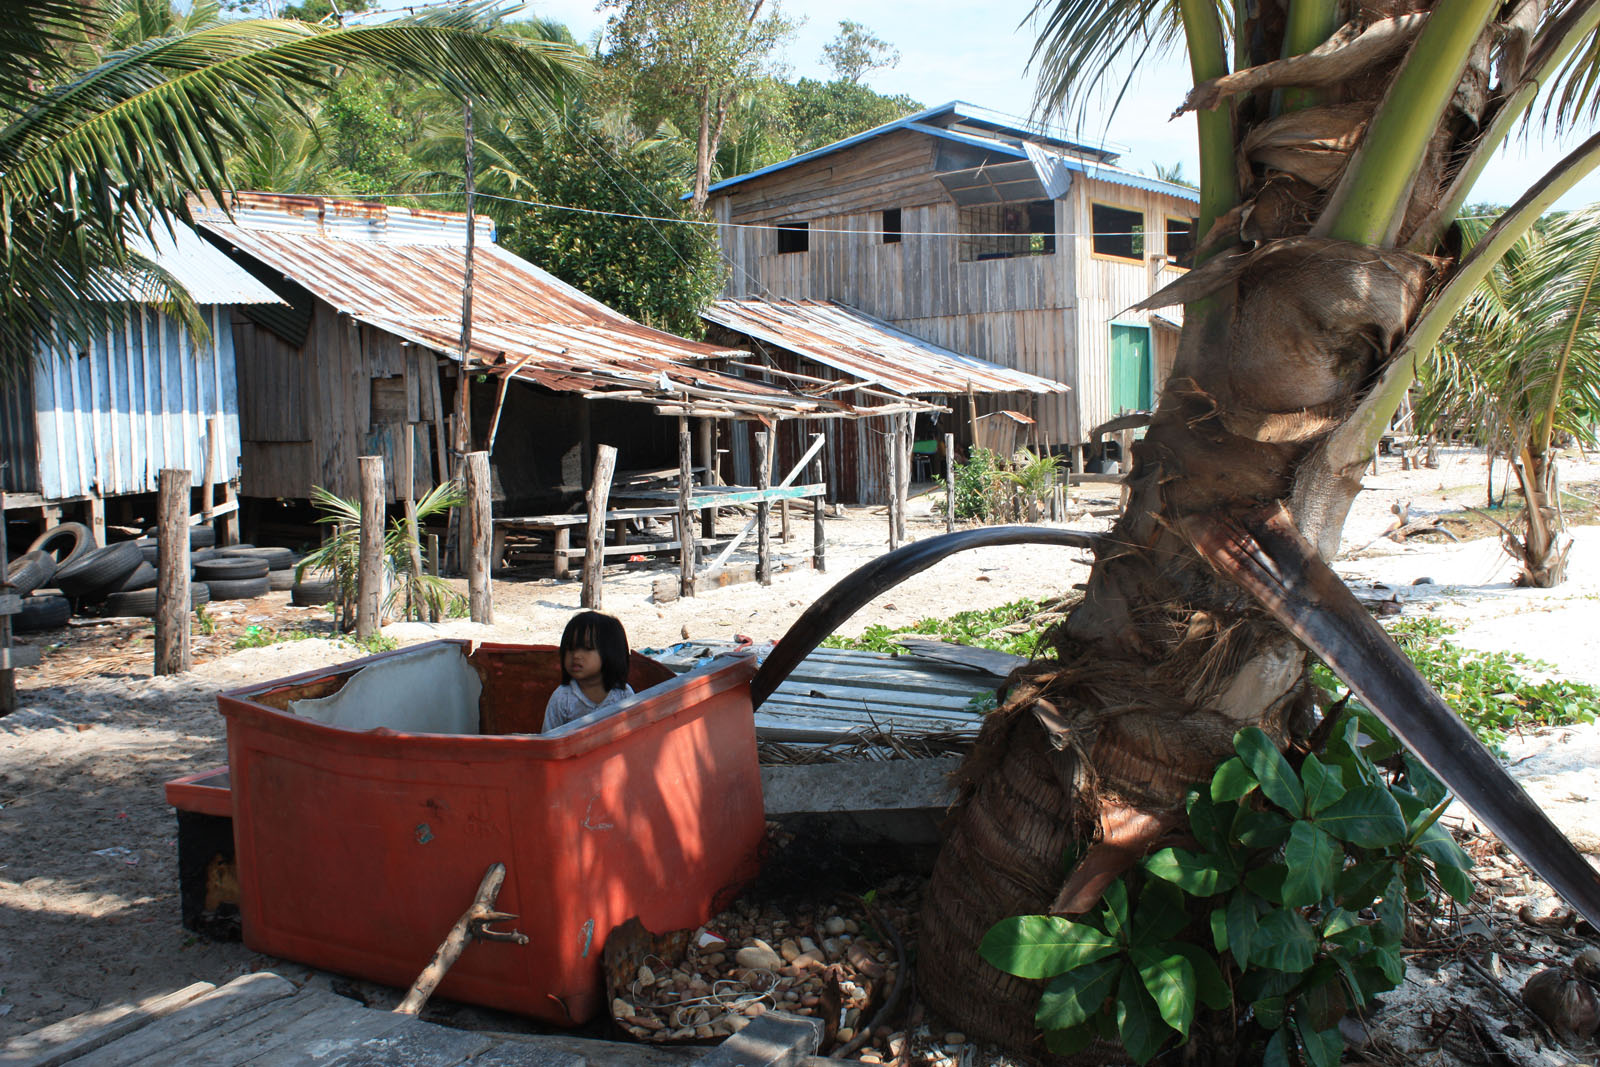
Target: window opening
794,237
1117,231
1006,231
891,226
1180,241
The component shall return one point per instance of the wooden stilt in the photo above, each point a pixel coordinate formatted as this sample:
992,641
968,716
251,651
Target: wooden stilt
950,482
594,549
819,539
688,547
8,674
903,470
369,564
892,477
478,536
96,506
408,461
172,573
763,511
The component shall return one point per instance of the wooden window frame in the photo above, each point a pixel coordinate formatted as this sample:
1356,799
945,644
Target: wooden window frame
1166,238
1144,234
793,231
892,236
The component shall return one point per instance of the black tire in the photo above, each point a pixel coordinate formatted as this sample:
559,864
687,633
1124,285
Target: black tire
278,559
101,572
312,594
230,568
42,613
151,549
143,577
201,536
281,581
247,589
143,601
203,554
82,542
29,571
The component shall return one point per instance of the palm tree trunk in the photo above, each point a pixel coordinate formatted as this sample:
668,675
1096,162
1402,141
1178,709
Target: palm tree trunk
1543,555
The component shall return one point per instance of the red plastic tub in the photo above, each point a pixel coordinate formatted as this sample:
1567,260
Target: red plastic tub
359,845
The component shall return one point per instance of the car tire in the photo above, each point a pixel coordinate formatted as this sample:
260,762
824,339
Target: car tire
245,589
313,594
142,602
151,549
281,581
80,535
230,568
29,571
100,572
278,559
201,536
143,577
42,613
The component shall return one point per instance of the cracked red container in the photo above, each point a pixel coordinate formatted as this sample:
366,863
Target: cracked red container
359,844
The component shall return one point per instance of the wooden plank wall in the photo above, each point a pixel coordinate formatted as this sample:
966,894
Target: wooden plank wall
1048,315
109,419
331,382
1109,286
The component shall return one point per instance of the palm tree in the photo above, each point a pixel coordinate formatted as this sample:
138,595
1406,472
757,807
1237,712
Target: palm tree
1522,360
1317,286
93,156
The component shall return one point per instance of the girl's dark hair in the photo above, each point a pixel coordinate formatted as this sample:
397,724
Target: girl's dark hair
604,634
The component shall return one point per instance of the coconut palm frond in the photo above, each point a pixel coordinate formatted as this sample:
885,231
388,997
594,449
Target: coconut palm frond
1080,42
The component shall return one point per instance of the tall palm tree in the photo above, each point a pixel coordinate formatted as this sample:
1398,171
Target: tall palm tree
1522,360
1334,159
93,156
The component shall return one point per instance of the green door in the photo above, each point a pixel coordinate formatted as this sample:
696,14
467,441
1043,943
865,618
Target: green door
1130,369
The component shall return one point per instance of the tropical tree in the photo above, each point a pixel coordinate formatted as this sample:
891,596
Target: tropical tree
94,156
856,51
1334,158
1522,361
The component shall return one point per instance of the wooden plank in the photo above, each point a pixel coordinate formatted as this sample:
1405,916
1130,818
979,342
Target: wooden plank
283,1032
417,1044
70,1038
149,1044
10,603
997,664
10,659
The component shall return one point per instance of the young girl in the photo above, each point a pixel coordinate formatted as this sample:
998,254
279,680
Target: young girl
594,669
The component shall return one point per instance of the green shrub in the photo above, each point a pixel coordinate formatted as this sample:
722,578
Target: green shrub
978,486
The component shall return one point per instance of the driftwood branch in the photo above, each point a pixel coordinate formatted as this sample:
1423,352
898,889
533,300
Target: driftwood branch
473,925
1347,53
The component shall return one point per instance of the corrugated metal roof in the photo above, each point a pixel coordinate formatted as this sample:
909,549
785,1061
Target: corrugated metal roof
405,275
837,335
209,276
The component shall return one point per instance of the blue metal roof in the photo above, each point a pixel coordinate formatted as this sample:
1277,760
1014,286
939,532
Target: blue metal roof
919,123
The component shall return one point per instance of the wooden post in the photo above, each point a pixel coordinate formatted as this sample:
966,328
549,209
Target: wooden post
705,445
763,512
478,537
902,485
408,478
892,477
819,541
558,559
8,674
687,545
433,559
172,573
594,549
950,482
369,565
207,503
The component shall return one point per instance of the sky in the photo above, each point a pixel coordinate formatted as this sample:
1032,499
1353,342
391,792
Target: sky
962,51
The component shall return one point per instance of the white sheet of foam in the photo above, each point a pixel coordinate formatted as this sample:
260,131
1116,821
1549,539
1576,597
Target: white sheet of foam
431,690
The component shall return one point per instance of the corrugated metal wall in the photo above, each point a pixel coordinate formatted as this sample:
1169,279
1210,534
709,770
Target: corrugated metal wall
108,420
19,445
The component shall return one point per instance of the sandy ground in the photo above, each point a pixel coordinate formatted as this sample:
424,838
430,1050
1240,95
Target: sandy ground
88,893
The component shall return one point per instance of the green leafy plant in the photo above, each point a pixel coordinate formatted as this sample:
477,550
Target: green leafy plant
409,587
985,628
203,619
977,489
1290,911
1034,473
261,636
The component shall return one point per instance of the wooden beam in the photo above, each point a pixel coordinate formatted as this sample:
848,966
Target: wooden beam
369,564
172,573
605,462
818,490
478,537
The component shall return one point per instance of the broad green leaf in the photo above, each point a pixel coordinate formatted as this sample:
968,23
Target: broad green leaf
1359,885
1278,781
1388,961
1115,900
1269,1012
1169,979
1267,882
1451,865
1323,1047
1423,782
1324,784
1042,946
1219,928
1163,911
1336,921
1074,997
1312,859
1260,829
1243,919
1069,1042
1367,816
1231,781
1209,983
1277,1053
1205,821
1139,1021
1198,875
1322,1003
1284,941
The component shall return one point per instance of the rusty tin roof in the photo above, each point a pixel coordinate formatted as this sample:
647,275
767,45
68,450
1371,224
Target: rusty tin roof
402,269
838,336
